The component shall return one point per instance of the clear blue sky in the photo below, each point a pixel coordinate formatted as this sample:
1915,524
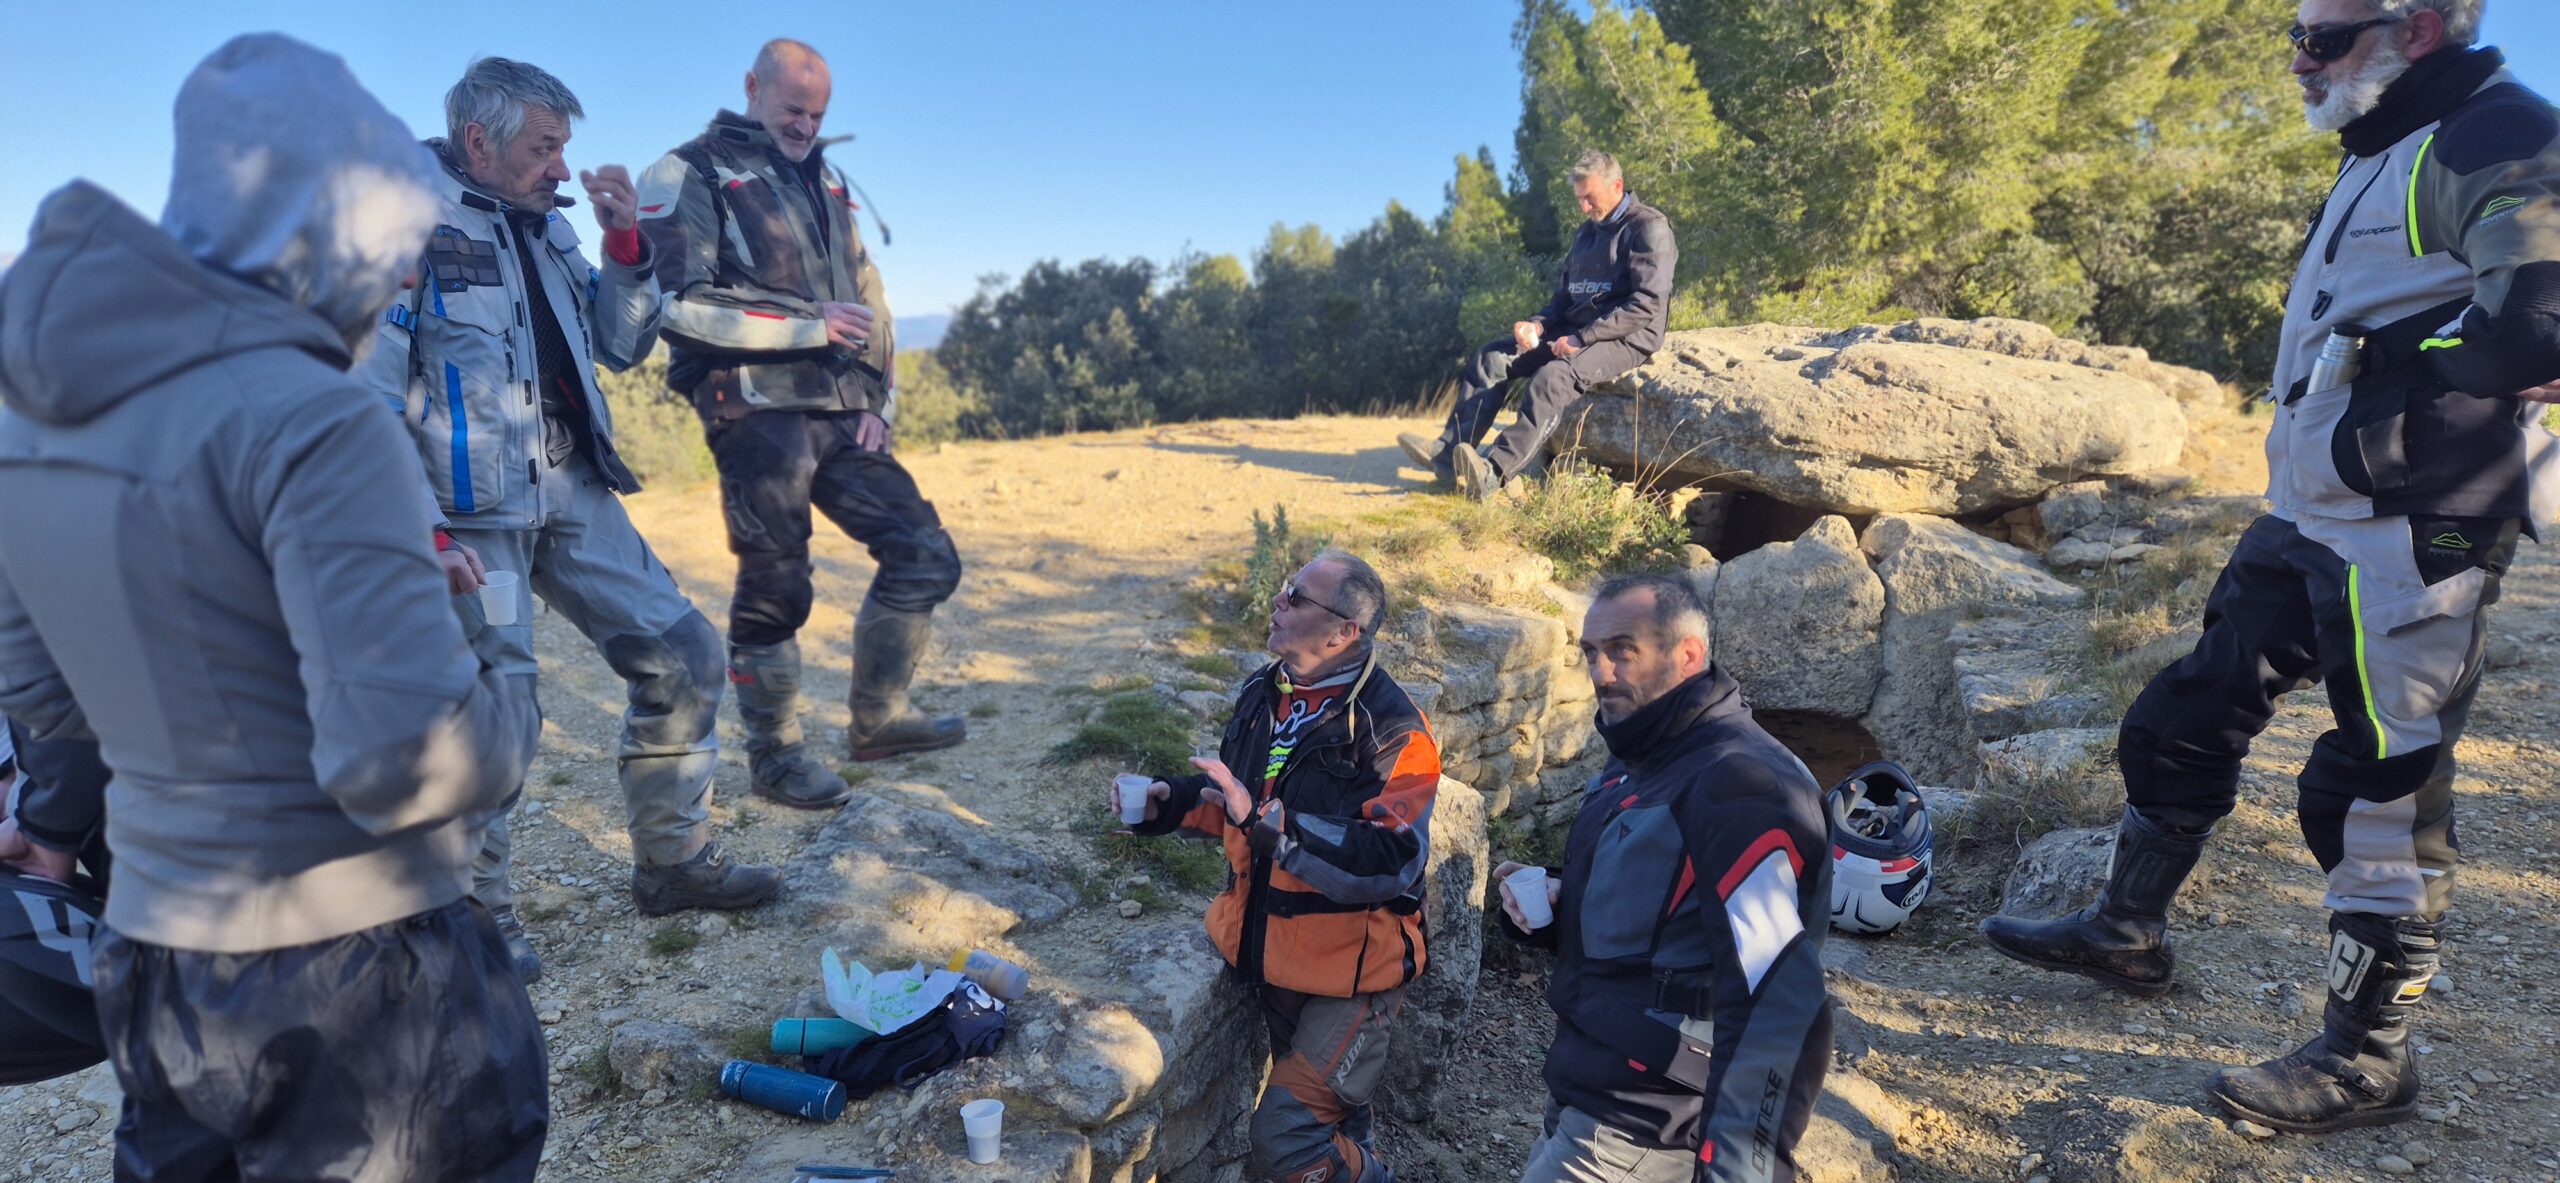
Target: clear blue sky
993,134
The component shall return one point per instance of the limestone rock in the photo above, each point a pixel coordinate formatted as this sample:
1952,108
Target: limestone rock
1935,575
647,1055
2059,872
902,881
2075,552
1878,421
2010,682
1441,1002
1797,622
2072,508
2021,761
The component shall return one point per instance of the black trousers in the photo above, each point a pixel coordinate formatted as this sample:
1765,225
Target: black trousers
404,1053
775,467
1553,384
2388,614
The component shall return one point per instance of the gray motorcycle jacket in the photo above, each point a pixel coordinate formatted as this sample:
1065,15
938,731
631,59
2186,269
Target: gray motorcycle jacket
457,358
749,244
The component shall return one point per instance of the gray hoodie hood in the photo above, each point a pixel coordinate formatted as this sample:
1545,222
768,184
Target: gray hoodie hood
297,207
290,175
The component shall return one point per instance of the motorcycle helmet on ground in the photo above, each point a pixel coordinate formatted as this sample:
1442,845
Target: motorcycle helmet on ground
1880,861
48,1018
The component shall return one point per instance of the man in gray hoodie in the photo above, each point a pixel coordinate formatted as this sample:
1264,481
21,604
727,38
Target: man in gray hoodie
230,585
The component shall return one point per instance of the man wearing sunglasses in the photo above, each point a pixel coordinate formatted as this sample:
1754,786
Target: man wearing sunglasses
1322,793
2397,498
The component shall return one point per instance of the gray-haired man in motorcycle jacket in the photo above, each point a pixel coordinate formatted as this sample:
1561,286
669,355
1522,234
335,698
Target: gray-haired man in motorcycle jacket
491,363
2397,499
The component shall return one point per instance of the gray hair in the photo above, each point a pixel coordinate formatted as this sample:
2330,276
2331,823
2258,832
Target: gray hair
769,59
2461,17
1363,594
496,92
1678,613
1600,164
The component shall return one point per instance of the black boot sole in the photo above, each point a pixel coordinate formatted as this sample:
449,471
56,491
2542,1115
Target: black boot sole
2356,1120
662,906
2109,978
835,802
867,755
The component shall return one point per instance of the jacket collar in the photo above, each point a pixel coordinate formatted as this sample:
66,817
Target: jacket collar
2427,92
737,130
1655,732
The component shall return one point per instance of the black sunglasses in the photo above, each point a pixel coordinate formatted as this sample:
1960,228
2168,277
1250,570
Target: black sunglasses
2336,41
1291,597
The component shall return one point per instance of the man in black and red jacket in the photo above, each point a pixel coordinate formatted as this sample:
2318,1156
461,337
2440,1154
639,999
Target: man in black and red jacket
1692,1024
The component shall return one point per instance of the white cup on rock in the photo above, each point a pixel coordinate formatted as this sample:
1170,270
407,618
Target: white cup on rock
984,1123
501,596
1529,890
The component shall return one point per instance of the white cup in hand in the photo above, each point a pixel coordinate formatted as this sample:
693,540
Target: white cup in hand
1132,793
500,596
1528,887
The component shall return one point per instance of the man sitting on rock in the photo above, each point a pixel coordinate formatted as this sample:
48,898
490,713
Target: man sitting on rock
1692,1024
1322,793
2397,496
1611,304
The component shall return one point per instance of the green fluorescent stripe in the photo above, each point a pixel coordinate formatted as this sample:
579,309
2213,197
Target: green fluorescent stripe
2364,673
2439,343
2415,249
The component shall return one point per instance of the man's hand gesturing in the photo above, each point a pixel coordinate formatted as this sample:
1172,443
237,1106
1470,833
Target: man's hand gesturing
617,203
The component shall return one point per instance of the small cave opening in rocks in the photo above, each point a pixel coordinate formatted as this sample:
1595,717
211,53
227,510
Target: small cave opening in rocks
1754,520
1833,747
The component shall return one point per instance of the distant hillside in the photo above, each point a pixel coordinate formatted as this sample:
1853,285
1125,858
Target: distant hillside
923,332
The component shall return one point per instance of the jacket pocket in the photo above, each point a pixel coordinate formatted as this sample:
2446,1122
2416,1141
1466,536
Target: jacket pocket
464,435
1633,866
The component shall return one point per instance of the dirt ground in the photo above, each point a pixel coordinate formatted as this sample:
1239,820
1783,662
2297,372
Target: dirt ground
1078,548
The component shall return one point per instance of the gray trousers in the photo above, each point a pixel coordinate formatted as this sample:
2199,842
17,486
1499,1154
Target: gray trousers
590,565
1577,1148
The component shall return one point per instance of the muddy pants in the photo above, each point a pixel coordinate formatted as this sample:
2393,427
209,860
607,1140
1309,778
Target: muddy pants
775,467
589,563
1553,385
2388,614
404,1053
1314,1124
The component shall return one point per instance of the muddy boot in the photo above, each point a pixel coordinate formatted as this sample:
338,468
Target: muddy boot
520,954
1476,477
2121,939
887,646
767,678
707,880
2357,1071
1429,454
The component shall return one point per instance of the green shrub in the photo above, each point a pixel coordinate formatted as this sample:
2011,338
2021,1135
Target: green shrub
1584,520
1148,734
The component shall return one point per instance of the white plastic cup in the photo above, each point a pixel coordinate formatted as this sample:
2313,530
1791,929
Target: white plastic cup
1129,790
500,593
1529,890
984,1122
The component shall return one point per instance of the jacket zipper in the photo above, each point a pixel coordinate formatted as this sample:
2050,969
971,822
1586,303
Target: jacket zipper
1258,898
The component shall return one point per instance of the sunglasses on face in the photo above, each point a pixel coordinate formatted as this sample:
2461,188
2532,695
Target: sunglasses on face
2330,43
1291,597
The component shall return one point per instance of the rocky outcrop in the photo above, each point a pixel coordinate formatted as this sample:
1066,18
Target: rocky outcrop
1440,1004
1504,688
1937,574
1798,622
1924,417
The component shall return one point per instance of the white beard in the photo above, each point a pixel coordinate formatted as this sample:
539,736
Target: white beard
2346,100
